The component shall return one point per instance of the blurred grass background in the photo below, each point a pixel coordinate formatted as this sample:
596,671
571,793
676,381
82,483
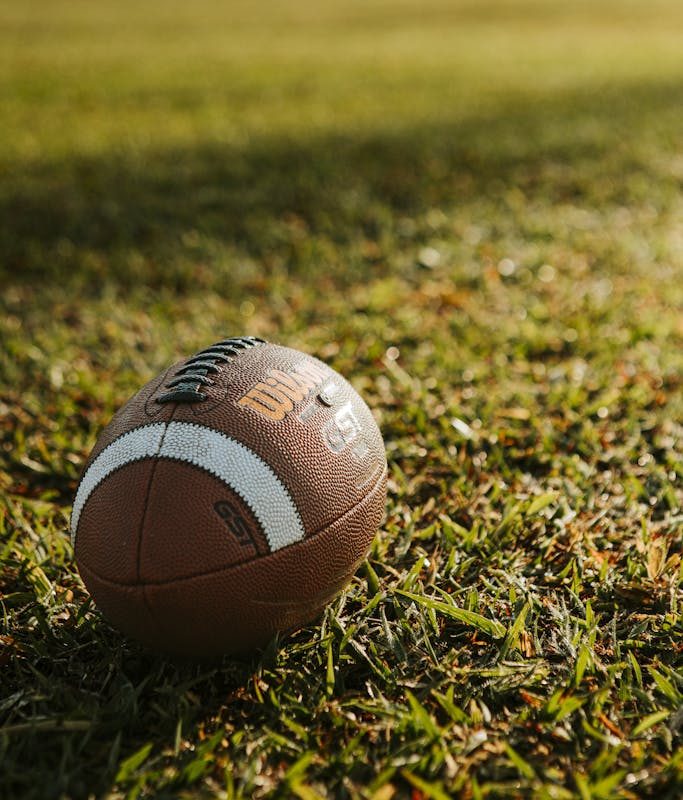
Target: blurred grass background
170,144
474,211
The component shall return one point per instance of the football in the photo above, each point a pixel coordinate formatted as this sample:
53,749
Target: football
230,499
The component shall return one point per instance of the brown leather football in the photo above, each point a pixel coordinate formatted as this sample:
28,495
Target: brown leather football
231,498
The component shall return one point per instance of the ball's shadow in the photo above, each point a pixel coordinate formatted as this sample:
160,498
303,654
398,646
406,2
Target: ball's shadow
103,697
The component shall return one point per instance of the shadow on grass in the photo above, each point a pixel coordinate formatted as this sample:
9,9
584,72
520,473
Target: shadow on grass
100,699
180,217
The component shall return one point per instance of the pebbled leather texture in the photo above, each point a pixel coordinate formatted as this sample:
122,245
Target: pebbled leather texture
177,559
239,608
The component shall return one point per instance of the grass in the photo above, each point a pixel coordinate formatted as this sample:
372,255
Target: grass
474,211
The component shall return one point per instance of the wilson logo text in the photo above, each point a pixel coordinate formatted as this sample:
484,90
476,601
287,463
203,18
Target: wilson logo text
274,397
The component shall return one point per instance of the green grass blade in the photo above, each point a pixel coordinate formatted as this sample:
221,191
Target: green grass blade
490,627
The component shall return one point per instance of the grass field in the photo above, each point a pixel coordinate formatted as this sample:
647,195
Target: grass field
475,211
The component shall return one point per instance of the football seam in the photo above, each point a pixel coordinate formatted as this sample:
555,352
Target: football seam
141,530
150,484
242,564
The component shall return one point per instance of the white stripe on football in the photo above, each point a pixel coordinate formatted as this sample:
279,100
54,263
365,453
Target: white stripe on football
225,458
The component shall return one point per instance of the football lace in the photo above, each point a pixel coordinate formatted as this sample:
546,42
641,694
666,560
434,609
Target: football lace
188,381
